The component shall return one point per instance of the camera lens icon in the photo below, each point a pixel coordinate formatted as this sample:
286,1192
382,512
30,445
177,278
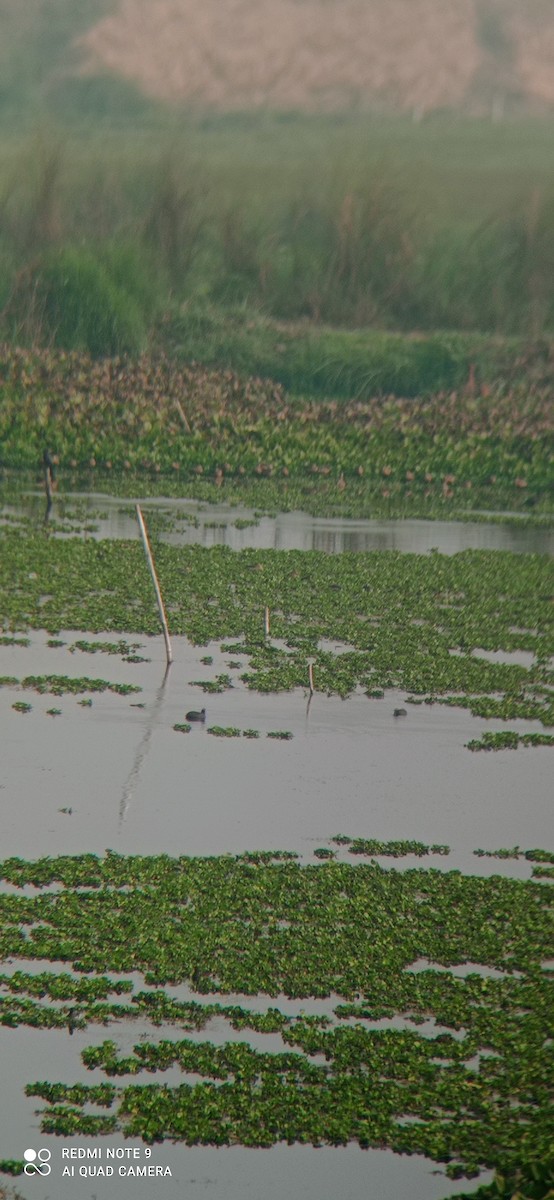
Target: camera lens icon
37,1162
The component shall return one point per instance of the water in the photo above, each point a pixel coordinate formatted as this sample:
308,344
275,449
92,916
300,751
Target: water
198,1173
186,522
135,785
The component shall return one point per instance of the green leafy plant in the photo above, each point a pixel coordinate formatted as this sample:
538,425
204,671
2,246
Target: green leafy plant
70,299
510,741
227,731
263,924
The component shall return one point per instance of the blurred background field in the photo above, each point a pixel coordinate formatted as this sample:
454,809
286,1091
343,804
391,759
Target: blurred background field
276,228
199,230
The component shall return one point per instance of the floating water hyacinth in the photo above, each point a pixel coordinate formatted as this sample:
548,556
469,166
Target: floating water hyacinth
248,428
408,622
261,923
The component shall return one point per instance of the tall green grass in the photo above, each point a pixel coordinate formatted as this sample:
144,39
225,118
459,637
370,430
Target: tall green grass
96,250
71,299
315,360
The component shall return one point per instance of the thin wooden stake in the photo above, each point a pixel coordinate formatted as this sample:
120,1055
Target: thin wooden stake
157,590
49,478
48,487
183,415
266,622
311,678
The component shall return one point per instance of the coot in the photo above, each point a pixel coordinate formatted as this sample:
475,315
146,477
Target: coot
196,716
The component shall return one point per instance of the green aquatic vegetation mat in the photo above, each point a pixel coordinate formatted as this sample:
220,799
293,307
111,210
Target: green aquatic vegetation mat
124,414
532,1180
232,731
64,986
43,1016
546,856
67,1121
506,708
407,621
321,496
62,685
11,1166
221,683
224,731
122,648
475,1081
509,740
398,849
102,1094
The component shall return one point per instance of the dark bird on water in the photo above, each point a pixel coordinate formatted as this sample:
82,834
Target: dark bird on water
400,712
196,716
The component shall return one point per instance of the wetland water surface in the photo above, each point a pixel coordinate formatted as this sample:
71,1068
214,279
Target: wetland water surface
136,785
188,522
128,781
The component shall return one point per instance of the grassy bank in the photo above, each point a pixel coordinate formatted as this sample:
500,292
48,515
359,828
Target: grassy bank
315,360
227,216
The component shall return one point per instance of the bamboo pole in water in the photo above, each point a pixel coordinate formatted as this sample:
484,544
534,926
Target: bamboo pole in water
49,478
266,622
48,486
150,561
311,678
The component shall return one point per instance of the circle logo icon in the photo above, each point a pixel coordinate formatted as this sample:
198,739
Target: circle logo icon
37,1162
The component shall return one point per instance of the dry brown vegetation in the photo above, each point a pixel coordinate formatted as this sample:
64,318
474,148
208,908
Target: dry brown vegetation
321,55
533,36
